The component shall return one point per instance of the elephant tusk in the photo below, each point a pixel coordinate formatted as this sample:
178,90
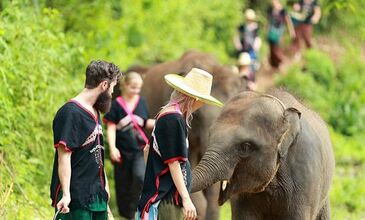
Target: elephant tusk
224,185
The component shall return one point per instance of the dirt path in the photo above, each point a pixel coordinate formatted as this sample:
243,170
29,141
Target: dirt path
265,76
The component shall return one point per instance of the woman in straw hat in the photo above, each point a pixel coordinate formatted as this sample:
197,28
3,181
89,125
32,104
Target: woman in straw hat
165,193
245,70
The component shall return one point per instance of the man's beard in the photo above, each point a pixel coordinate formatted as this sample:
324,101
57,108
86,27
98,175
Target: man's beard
103,102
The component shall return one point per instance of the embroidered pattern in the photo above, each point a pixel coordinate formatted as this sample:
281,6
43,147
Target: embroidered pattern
93,135
154,143
97,153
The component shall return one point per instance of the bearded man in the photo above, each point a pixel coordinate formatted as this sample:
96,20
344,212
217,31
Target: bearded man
79,187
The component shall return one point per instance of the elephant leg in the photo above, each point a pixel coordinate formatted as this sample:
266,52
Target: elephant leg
200,204
325,213
212,194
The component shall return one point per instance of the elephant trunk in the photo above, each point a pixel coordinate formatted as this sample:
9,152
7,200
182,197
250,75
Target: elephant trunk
213,167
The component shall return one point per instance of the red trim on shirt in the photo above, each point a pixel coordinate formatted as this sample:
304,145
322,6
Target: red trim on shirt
63,144
175,159
56,195
177,197
101,174
153,198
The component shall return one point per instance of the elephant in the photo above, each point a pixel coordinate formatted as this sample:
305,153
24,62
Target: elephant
225,85
273,157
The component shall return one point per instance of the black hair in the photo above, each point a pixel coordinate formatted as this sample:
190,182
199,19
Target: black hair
98,71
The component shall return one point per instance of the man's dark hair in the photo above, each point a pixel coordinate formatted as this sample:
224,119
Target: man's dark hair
98,71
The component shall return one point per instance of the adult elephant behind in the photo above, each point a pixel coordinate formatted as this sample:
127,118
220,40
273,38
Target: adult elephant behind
225,85
274,158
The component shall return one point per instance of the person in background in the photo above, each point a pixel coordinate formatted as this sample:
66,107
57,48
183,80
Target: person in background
247,38
79,187
245,70
294,13
277,19
309,14
165,194
125,121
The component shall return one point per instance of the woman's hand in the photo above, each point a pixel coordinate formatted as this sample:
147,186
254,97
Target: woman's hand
115,155
189,209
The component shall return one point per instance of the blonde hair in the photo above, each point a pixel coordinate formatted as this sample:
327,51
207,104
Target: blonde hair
128,78
185,103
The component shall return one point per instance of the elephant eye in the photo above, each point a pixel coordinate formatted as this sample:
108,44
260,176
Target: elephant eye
246,147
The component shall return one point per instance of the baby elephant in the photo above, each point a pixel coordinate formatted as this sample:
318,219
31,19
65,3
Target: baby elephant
273,157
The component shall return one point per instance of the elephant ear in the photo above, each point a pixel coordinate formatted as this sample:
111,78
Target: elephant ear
292,121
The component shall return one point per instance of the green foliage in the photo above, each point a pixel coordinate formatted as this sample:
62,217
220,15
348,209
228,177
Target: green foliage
344,14
348,188
321,67
349,115
337,94
37,73
132,32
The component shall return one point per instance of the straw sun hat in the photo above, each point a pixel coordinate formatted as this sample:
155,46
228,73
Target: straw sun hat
197,84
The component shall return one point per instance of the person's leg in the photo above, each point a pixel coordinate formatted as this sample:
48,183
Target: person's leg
139,168
122,186
168,211
277,55
307,34
136,182
272,56
295,47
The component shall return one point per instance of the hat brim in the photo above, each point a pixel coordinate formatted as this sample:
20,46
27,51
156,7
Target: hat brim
177,82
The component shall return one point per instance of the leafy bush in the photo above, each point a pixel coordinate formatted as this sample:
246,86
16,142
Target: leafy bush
131,32
37,74
321,67
343,16
338,95
348,116
347,192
